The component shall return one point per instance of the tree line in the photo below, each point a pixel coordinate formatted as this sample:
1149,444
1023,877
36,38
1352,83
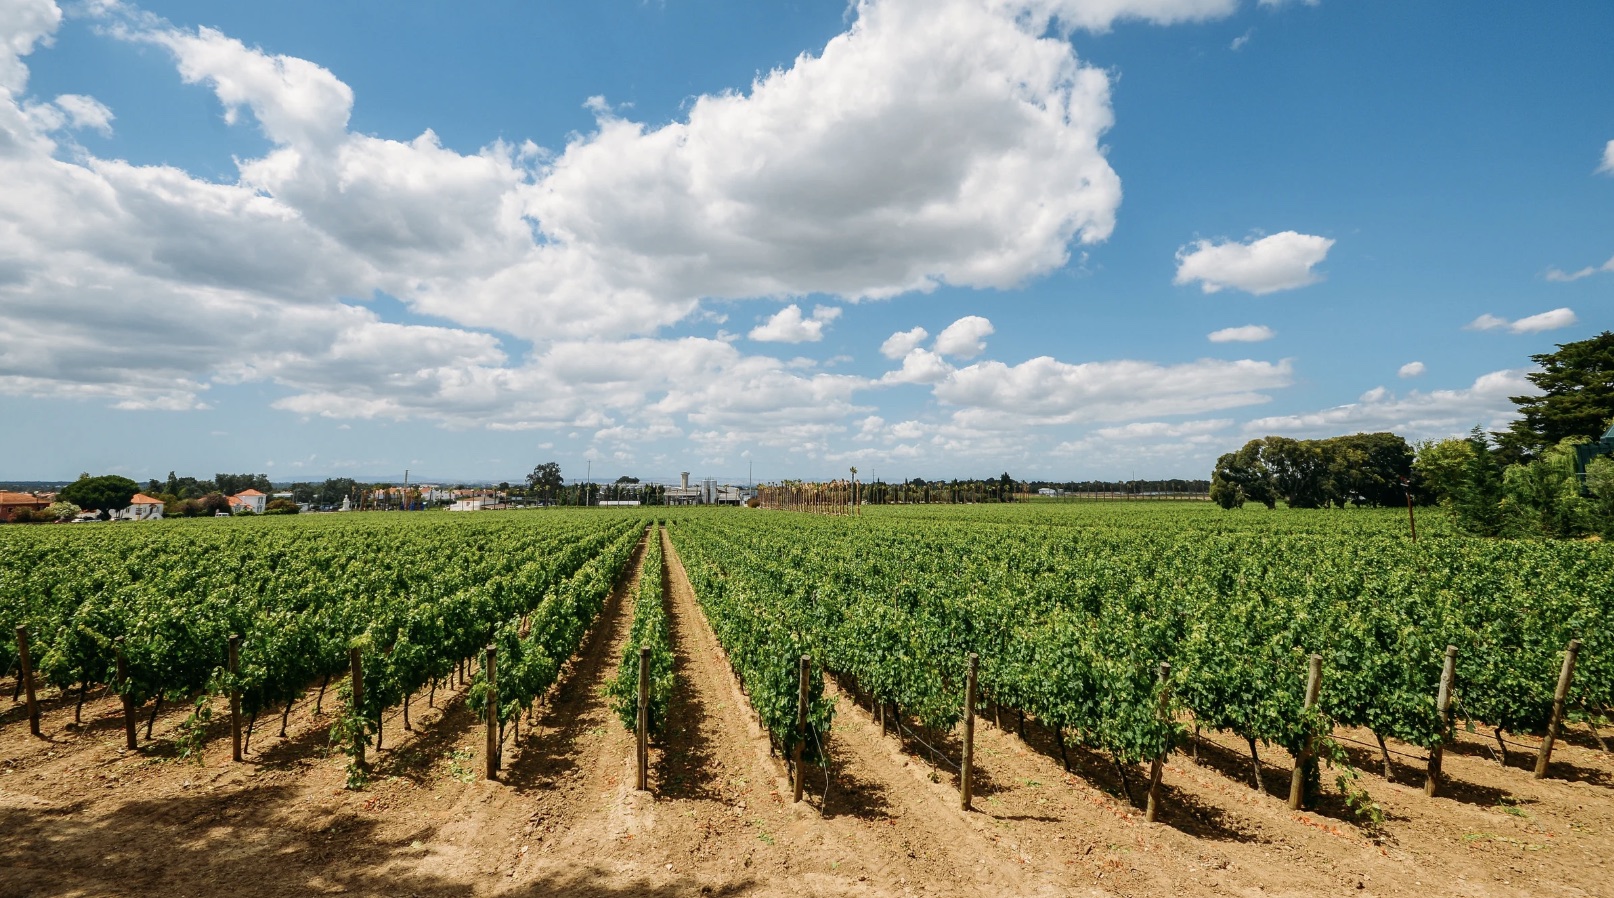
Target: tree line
1550,473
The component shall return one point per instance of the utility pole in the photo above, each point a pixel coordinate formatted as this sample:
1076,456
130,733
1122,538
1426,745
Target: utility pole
590,487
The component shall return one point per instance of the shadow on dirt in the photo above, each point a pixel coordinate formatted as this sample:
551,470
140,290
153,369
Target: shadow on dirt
246,843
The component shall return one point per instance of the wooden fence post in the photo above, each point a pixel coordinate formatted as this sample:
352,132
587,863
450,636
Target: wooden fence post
123,691
801,728
1297,782
26,671
644,718
1448,673
235,698
966,778
1158,768
1565,676
355,665
491,667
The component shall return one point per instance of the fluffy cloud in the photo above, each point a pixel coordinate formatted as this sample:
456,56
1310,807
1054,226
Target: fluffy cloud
1410,369
931,143
788,326
1047,391
964,338
1282,261
919,366
1545,321
1608,159
1249,333
901,343
1418,415
23,23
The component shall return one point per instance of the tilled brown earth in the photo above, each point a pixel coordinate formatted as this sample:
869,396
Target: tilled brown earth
81,816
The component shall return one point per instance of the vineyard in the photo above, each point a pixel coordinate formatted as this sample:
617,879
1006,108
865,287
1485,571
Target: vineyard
1160,649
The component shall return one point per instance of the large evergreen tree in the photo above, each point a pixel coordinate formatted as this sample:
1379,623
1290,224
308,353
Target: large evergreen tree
1577,398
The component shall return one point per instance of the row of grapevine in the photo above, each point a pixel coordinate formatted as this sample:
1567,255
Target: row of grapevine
1071,622
416,597
764,633
649,630
532,647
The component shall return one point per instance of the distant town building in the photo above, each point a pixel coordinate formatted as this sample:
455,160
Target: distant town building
11,503
141,508
249,500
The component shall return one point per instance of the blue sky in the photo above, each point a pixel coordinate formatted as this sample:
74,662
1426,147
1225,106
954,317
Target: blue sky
464,239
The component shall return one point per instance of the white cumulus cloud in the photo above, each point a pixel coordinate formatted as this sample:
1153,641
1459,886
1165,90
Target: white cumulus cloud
1545,321
955,142
1282,261
964,338
1052,391
1411,369
901,343
1608,159
1249,333
789,326
1417,415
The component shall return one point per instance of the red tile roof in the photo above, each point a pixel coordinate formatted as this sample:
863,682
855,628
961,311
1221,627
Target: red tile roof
246,492
143,499
20,499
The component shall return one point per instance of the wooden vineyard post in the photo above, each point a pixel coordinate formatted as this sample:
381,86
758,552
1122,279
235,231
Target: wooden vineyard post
1157,769
26,671
1297,783
235,698
801,729
128,701
967,771
355,664
1443,707
1565,676
491,668
644,719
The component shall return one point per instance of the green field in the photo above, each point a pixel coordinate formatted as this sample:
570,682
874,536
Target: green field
1071,606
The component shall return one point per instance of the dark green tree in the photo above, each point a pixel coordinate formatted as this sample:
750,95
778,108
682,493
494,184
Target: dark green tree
546,478
1478,497
1577,398
1243,475
106,493
1299,471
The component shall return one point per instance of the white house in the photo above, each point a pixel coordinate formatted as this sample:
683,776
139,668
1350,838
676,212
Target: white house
141,508
251,500
474,503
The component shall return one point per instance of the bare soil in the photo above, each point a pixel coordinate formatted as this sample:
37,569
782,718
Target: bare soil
82,816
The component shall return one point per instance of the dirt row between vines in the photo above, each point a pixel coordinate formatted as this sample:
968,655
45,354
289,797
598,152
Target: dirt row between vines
81,816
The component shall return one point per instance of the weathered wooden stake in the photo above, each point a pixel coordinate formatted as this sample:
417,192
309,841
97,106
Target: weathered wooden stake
1158,769
1297,782
801,728
491,667
644,719
1448,673
235,699
1565,676
26,672
966,779
355,664
128,700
